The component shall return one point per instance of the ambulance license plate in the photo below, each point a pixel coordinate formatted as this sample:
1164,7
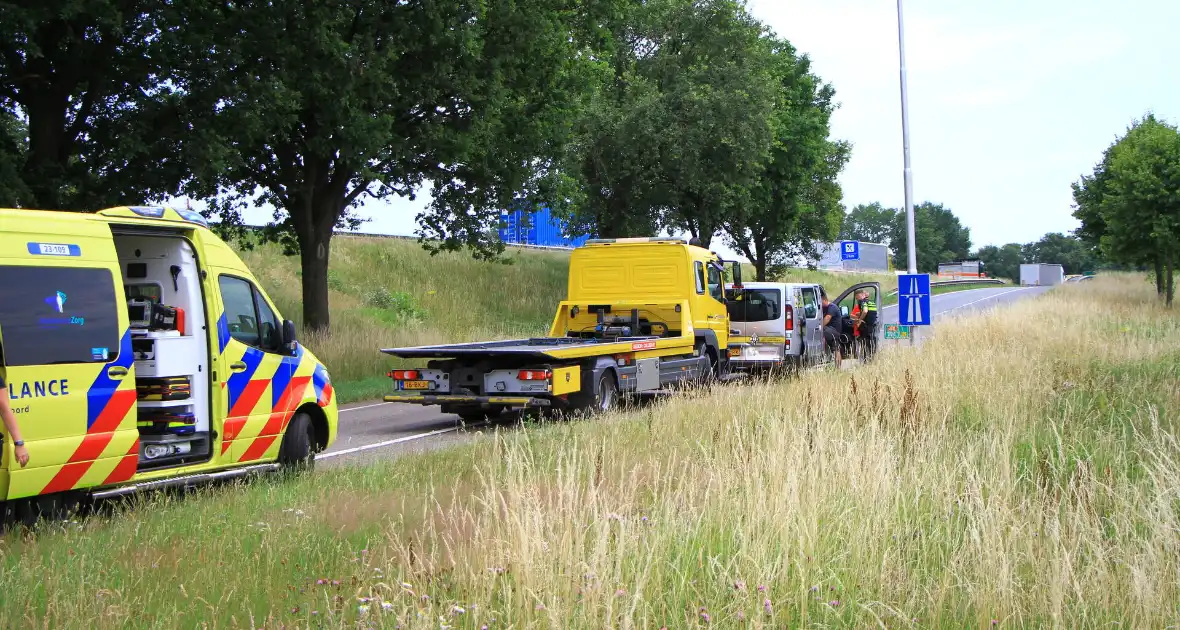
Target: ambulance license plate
415,384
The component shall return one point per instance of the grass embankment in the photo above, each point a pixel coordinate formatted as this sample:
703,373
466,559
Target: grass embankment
985,479
387,293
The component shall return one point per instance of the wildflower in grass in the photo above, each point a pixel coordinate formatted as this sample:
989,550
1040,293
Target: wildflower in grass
321,581
995,622
741,616
620,592
834,603
457,610
540,607
814,589
761,588
386,606
364,610
767,607
739,585
706,618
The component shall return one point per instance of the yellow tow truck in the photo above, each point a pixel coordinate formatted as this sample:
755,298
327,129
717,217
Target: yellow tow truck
641,314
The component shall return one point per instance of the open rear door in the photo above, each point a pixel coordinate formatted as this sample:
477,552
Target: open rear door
874,291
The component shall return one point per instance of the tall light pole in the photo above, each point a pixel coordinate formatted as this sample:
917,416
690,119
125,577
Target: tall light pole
911,246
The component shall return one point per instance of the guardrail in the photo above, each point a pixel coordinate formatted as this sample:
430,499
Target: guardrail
951,283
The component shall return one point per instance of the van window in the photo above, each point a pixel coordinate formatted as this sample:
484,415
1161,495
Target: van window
55,315
755,305
810,308
700,274
251,320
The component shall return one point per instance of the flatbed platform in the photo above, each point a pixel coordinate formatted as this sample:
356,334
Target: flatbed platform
540,347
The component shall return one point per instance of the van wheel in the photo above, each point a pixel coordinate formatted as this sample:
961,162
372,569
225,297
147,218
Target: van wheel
295,452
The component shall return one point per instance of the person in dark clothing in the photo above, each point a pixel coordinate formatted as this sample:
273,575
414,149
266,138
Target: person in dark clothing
833,326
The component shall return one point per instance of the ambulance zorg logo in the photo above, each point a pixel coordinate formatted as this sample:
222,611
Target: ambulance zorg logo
57,301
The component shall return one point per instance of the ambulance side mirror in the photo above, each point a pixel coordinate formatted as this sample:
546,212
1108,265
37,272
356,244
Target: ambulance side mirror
289,338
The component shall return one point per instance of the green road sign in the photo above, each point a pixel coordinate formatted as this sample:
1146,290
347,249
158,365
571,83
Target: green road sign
897,331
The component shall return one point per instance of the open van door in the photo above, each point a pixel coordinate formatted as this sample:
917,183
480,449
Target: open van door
846,302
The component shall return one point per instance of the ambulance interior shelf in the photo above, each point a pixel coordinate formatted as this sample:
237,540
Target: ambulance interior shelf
165,308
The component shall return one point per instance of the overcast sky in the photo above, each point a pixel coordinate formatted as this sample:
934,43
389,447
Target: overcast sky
1010,100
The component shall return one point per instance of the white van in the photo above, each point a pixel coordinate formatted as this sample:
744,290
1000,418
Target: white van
779,324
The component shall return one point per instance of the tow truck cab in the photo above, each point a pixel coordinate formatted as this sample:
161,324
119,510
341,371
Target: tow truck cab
640,314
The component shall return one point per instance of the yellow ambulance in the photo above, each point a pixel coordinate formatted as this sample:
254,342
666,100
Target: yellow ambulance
142,353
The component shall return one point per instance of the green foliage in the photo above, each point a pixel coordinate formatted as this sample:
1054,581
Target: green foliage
1063,249
795,202
1001,262
1130,205
869,223
79,128
320,106
939,236
394,306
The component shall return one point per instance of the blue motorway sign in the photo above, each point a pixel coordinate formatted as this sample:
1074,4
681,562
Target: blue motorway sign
849,250
913,299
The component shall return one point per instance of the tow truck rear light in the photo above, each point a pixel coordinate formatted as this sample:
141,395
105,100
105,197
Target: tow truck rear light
790,318
403,375
533,375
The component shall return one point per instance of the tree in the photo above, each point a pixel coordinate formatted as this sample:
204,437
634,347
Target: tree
320,105
1001,262
795,202
680,124
870,223
1131,203
939,236
713,121
1069,251
75,76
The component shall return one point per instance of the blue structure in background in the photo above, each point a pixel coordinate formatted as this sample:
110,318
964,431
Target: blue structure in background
536,228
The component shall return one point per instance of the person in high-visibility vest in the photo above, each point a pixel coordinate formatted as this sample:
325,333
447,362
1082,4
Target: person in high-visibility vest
865,316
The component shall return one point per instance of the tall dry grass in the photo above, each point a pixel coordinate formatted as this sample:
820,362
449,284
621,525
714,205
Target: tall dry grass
1012,471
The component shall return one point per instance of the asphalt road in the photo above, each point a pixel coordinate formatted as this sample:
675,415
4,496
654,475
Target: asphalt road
371,430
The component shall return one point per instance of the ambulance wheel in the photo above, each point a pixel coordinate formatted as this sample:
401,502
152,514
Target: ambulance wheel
296,453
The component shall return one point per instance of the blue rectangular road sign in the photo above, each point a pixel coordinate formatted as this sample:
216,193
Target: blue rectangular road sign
913,299
849,250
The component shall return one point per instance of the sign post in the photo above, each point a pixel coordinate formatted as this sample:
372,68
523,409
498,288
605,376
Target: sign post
913,301
849,250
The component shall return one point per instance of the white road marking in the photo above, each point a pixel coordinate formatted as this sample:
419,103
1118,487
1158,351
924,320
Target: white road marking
992,296
407,438
364,407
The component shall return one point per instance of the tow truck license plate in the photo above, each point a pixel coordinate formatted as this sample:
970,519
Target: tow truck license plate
735,352
415,385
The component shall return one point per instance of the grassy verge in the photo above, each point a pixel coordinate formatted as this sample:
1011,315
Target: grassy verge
984,480
387,293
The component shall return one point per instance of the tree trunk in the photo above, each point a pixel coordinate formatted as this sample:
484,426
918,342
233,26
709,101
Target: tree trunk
314,250
1171,287
44,166
1159,276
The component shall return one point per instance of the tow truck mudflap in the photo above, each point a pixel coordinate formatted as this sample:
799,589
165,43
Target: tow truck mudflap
452,399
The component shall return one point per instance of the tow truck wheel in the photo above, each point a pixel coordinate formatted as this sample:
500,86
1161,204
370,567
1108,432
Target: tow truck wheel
295,451
607,394
710,373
